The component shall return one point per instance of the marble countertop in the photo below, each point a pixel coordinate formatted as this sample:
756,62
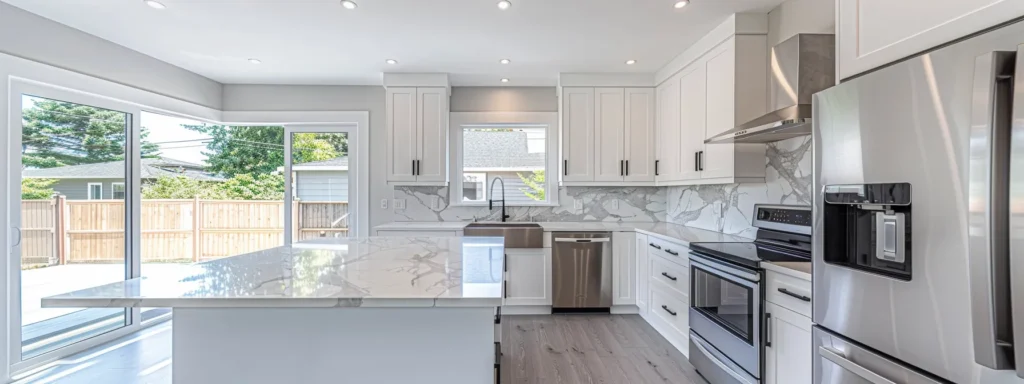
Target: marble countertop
672,232
367,272
800,270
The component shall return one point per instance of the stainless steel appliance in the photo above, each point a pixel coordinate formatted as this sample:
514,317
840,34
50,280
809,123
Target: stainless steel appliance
919,221
581,271
800,67
726,294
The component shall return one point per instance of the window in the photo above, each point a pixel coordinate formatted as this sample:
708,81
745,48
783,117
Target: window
95,191
516,153
117,189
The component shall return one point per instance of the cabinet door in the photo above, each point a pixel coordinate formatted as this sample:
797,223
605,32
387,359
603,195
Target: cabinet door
403,146
718,159
624,268
639,134
788,353
578,134
640,245
872,33
668,131
529,277
609,125
693,119
432,133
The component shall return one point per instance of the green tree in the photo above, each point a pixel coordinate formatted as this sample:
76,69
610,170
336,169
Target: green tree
534,185
56,133
260,149
262,186
37,189
240,187
181,187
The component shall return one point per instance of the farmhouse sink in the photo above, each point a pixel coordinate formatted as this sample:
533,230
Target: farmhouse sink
517,235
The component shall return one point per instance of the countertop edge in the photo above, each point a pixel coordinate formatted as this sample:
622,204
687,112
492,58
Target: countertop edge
555,227
469,302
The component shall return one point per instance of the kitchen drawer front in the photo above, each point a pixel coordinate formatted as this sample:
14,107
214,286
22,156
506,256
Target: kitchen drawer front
789,292
669,250
672,275
671,308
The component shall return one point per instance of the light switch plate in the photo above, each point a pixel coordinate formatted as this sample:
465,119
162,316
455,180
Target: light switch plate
399,203
577,204
435,202
383,203
615,204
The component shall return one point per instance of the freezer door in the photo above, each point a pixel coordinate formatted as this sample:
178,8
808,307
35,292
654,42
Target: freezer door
1016,224
837,361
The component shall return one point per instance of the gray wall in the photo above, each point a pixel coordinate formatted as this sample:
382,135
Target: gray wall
504,99
321,185
76,189
26,35
327,98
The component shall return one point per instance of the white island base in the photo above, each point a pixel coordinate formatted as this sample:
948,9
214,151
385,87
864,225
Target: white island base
333,345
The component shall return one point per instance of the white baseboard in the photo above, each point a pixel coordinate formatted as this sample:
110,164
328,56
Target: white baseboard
625,310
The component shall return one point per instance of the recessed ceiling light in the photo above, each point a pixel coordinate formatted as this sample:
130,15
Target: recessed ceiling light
391,61
255,61
681,3
155,4
630,62
505,61
504,4
504,80
349,4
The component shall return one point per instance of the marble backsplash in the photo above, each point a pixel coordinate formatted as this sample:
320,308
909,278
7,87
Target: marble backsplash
634,204
721,208
728,208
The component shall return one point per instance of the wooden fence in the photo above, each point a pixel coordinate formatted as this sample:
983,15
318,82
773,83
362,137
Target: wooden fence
61,231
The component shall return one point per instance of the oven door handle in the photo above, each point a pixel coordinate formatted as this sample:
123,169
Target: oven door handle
748,279
714,359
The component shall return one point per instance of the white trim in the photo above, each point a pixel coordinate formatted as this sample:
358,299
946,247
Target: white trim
88,191
736,24
113,190
549,120
606,80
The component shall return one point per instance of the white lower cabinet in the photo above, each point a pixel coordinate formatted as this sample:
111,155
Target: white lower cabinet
665,286
528,277
640,246
788,353
624,268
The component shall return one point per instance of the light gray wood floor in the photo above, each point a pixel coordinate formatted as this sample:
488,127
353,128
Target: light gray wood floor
560,349
571,349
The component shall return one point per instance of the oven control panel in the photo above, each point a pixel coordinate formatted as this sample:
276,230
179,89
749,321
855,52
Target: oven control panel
791,215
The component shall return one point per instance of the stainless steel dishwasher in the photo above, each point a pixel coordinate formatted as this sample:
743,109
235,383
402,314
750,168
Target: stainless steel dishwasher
582,271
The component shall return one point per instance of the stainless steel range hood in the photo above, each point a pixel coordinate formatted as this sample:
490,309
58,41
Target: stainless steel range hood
800,67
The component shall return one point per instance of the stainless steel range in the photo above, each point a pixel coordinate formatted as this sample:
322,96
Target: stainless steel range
726,294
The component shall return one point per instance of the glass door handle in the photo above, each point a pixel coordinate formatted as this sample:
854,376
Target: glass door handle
17,231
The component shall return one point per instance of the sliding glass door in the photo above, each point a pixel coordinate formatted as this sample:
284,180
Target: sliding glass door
320,175
72,166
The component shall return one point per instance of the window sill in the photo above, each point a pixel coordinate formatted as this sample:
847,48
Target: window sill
498,206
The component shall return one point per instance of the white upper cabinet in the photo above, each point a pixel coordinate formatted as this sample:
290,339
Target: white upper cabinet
417,125
693,114
668,161
577,134
872,33
608,136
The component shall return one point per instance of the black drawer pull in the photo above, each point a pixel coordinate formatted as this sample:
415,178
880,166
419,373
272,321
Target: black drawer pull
665,307
670,277
655,246
786,292
671,252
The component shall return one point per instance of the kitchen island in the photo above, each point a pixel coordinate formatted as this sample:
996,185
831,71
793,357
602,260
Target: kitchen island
372,310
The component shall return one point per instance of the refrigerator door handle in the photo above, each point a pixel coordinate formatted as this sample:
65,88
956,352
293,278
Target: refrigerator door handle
988,234
852,367
1015,225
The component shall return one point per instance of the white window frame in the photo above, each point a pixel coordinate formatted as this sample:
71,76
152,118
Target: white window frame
459,120
88,191
113,191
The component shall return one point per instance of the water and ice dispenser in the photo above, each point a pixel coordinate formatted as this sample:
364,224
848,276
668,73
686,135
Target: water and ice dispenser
867,227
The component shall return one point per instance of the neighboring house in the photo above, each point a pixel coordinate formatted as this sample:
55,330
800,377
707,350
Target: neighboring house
487,155
106,180
321,180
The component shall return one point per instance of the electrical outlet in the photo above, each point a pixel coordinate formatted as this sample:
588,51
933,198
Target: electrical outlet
383,203
577,204
399,203
435,202
615,204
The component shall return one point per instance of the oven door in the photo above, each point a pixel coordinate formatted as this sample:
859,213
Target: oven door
725,310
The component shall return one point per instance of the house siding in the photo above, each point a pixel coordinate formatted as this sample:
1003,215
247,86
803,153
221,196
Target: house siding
321,185
77,189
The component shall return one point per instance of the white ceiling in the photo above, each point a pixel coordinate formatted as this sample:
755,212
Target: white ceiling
320,42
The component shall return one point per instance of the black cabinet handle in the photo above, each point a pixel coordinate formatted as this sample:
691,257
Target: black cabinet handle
696,160
671,252
656,167
670,277
768,330
504,263
786,292
655,246
414,167
622,171
627,167
565,167
665,307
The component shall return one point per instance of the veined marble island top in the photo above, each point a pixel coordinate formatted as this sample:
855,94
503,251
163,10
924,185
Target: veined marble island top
368,272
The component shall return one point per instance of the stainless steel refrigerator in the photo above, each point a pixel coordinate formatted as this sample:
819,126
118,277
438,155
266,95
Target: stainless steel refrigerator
919,219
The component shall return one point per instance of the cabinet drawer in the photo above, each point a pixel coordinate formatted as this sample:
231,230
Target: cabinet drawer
789,292
668,250
670,274
671,309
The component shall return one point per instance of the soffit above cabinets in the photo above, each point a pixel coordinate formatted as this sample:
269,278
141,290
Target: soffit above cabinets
321,42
